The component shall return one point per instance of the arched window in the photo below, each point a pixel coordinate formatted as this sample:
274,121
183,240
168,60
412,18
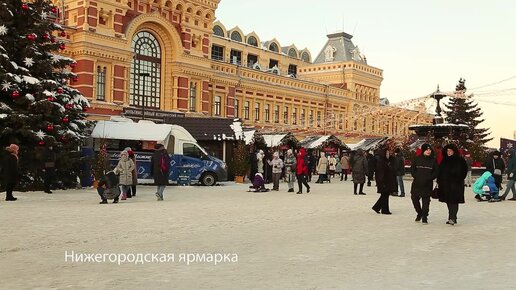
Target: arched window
217,30
305,57
292,53
252,41
145,71
236,36
273,47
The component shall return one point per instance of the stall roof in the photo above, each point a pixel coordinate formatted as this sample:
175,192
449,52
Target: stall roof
210,129
273,140
312,142
368,144
143,130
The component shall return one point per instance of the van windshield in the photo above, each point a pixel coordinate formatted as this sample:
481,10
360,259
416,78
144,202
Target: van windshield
194,151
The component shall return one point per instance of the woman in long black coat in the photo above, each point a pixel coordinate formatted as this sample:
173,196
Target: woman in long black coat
450,180
10,171
385,180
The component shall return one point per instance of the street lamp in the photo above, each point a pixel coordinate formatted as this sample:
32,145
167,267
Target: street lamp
144,95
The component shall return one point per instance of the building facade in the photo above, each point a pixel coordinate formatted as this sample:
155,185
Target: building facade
173,56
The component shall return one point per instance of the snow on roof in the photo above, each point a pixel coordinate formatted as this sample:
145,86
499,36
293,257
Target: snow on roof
318,142
273,140
237,128
143,131
248,136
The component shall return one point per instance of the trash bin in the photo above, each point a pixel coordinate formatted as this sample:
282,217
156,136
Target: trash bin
184,175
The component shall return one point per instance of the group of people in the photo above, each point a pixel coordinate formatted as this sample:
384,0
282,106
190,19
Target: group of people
116,184
125,176
489,185
388,169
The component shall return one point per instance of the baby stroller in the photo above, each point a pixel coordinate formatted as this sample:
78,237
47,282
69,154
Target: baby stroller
108,187
485,188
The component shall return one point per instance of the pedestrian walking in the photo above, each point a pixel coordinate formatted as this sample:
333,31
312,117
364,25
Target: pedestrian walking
511,176
338,168
358,164
385,181
450,180
469,162
132,156
290,169
344,161
302,170
399,162
312,162
160,166
10,171
496,166
277,167
424,170
371,166
322,167
332,162
49,167
124,169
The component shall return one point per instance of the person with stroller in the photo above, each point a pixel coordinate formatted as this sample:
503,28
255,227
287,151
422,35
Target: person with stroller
485,188
108,187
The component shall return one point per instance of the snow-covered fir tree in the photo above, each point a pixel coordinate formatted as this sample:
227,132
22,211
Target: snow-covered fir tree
464,110
38,108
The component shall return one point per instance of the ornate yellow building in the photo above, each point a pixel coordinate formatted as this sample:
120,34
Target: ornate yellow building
162,56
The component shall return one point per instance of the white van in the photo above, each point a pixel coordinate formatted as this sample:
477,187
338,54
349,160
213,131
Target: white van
144,135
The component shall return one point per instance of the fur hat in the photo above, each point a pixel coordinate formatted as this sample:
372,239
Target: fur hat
13,148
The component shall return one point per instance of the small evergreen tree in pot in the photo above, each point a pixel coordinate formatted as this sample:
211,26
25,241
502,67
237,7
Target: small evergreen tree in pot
240,163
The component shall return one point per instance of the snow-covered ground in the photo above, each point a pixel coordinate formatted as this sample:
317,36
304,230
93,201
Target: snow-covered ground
328,238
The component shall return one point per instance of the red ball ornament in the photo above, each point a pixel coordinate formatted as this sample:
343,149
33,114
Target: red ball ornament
66,120
75,79
53,39
50,127
54,10
73,64
62,47
63,33
46,36
60,90
41,143
25,6
69,106
15,94
50,99
31,37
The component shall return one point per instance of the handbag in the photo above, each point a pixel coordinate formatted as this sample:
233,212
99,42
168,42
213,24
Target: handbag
435,192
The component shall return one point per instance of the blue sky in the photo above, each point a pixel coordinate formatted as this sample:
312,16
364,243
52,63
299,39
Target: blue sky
418,44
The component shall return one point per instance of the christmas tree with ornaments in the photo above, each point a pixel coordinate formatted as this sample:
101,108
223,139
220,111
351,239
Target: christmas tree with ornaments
38,108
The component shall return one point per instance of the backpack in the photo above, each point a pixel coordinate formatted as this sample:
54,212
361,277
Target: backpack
163,163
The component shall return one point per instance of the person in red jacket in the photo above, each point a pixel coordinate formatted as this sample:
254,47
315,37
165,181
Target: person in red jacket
302,170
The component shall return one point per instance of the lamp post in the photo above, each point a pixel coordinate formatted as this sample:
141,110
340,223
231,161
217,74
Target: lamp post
144,95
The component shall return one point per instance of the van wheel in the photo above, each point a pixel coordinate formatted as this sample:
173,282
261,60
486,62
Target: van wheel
208,179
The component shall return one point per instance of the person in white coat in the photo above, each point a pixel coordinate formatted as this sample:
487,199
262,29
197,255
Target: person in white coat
125,169
322,167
